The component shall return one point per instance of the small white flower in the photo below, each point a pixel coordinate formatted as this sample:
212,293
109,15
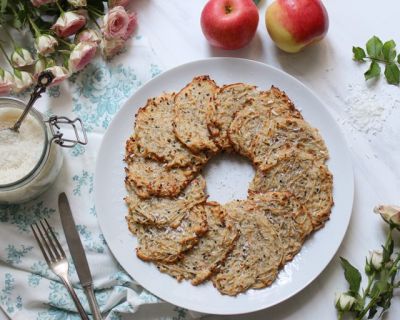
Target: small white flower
22,81
344,301
78,3
21,58
389,213
376,259
45,44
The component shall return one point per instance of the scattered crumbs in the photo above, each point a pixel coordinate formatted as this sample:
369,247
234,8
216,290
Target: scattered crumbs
367,111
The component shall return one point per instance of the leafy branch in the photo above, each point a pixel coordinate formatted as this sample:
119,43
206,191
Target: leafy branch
379,53
381,269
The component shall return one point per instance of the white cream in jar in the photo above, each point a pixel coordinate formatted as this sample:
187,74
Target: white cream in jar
29,161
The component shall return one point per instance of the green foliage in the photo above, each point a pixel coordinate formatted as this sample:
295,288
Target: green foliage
379,291
352,275
379,53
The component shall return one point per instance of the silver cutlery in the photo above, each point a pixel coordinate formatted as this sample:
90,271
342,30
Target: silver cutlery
78,253
55,257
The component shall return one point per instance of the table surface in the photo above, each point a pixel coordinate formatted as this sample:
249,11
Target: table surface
366,112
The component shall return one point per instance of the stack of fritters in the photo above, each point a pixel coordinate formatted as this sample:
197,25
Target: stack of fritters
242,244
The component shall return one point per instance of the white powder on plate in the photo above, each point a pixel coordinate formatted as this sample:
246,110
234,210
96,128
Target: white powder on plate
19,151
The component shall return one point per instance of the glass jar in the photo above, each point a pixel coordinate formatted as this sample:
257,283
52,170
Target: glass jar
48,158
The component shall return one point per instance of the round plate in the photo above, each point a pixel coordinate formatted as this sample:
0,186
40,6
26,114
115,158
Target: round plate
316,252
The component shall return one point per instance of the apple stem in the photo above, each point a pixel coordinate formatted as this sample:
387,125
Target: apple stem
228,9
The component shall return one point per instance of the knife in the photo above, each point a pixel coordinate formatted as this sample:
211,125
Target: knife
77,253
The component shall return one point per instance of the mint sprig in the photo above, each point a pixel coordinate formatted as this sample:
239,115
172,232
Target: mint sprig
379,53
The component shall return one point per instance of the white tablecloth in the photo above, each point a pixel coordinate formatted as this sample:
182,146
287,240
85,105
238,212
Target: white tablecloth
170,35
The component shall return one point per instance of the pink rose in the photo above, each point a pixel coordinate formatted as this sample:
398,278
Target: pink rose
87,35
69,23
115,23
6,82
132,25
81,55
115,3
38,3
59,73
111,47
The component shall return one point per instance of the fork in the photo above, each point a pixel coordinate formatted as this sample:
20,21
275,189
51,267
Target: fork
55,257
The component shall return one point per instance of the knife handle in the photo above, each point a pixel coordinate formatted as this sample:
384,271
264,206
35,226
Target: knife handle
94,307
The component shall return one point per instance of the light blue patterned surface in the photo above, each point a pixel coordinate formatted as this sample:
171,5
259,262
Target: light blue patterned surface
95,95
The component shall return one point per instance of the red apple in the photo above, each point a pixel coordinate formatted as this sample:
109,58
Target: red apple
294,24
229,24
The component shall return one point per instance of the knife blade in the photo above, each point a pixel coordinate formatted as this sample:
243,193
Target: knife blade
77,252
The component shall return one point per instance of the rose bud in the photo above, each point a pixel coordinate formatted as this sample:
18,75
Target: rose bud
81,55
45,44
111,47
344,301
132,25
115,23
375,260
6,82
59,73
389,213
87,35
69,23
115,3
40,65
21,58
38,3
22,81
77,3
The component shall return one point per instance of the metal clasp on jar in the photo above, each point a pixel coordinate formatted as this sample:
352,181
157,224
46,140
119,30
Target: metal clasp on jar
55,123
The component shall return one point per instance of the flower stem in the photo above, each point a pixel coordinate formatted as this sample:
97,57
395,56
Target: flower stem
366,309
34,27
69,45
95,10
5,55
94,20
59,7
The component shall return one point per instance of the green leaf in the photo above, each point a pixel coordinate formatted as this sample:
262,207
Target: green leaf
256,2
389,50
3,5
374,47
359,54
392,73
352,275
373,71
398,58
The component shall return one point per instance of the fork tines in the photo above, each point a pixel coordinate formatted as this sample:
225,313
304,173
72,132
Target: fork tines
48,242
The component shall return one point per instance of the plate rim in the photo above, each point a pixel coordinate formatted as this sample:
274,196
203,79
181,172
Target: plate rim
351,180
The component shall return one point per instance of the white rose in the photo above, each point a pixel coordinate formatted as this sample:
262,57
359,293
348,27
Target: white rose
45,44
344,301
22,81
376,259
389,213
21,58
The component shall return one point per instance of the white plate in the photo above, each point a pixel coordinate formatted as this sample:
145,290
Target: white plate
226,178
